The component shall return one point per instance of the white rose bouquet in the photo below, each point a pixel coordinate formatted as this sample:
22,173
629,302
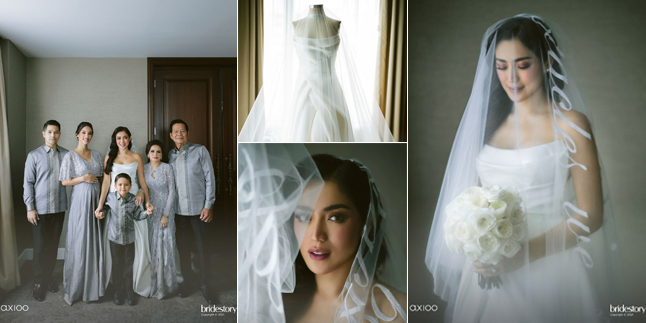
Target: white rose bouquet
486,224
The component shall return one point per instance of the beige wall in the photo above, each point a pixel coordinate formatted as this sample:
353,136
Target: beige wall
607,38
107,92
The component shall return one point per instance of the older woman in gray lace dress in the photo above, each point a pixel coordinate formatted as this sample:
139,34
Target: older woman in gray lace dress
161,225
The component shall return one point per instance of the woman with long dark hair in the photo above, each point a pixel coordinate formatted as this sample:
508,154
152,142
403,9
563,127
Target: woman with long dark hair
526,128
121,159
83,271
324,212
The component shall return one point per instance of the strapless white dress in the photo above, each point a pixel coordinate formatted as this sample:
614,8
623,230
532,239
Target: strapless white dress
539,296
141,269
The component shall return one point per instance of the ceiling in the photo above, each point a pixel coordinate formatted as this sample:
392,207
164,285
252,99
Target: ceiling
121,28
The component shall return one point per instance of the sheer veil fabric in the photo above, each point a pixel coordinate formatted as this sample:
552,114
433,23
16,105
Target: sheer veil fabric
526,126
313,87
279,186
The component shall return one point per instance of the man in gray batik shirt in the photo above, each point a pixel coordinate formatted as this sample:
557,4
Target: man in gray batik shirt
46,201
195,185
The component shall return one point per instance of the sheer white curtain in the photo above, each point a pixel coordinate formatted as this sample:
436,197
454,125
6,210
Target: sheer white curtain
9,272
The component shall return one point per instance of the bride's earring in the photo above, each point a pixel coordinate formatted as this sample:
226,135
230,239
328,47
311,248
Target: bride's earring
547,70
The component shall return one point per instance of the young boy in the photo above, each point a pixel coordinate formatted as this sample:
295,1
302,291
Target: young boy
121,233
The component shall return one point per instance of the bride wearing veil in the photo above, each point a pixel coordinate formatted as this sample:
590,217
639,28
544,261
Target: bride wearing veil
525,126
324,212
313,89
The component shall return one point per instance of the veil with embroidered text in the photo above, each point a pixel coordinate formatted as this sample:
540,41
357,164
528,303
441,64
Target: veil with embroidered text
526,126
279,183
316,87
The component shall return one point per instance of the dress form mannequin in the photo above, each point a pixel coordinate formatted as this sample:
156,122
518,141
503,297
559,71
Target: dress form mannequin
316,24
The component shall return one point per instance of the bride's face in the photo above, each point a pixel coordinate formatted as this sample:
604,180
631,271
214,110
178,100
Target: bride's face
122,139
519,70
333,233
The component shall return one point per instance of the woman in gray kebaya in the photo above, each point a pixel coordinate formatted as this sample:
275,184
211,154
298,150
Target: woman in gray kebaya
83,269
161,224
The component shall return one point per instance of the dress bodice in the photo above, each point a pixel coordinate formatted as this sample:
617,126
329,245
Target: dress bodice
131,170
317,55
537,173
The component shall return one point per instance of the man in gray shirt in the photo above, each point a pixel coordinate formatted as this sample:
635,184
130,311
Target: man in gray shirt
195,185
46,201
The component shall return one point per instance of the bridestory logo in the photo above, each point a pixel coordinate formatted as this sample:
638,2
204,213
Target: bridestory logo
623,310
212,310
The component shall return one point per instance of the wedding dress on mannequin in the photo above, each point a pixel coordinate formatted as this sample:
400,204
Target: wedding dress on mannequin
526,126
315,94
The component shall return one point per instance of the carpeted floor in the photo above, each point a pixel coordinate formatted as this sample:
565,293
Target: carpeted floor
172,309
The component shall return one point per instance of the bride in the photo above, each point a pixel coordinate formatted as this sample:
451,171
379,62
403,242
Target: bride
323,101
327,212
121,159
525,126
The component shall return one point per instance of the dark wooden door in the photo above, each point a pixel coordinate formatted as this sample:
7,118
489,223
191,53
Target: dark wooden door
202,92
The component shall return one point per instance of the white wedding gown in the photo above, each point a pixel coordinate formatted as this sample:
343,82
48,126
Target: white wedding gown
536,297
321,112
141,267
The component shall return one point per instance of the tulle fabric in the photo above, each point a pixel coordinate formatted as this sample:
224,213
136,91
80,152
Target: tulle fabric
313,90
564,191
276,184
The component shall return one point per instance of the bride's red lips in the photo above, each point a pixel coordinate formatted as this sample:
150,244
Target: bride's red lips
318,254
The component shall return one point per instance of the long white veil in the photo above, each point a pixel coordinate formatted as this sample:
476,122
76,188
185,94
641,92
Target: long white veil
525,125
277,185
316,87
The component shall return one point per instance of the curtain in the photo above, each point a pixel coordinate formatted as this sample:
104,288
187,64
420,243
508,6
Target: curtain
9,272
250,51
391,78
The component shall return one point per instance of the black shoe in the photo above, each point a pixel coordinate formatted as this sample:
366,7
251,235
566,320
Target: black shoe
118,298
183,291
208,295
132,298
39,292
52,287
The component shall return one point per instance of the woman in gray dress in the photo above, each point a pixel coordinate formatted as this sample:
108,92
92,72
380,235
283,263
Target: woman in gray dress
161,224
83,269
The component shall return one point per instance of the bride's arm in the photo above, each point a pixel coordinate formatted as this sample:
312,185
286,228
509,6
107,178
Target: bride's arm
105,187
587,187
142,178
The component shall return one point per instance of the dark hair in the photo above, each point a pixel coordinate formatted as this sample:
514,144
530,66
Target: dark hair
528,31
154,142
176,121
114,149
353,183
83,125
52,123
123,175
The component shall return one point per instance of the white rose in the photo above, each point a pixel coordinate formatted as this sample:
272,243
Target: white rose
520,231
453,243
491,258
472,198
503,229
499,209
518,216
493,192
472,250
509,248
464,232
482,220
488,242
